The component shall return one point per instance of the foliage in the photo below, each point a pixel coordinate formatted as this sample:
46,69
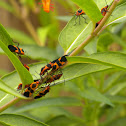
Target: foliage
94,81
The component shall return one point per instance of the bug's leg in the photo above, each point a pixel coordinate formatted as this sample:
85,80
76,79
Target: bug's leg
75,20
84,19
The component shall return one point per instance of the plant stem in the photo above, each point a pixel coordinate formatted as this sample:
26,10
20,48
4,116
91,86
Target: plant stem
26,21
32,31
95,33
12,102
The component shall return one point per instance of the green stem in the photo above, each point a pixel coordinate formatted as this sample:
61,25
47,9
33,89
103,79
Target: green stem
7,105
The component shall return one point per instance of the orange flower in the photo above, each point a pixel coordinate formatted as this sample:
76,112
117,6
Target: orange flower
46,5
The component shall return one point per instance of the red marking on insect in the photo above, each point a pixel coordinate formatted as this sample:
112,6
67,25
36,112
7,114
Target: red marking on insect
31,88
59,63
104,10
16,49
98,23
53,78
43,92
55,65
27,67
20,86
79,13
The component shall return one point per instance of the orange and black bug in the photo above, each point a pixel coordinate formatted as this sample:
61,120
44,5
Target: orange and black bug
27,67
16,49
30,90
46,68
20,86
56,64
43,92
78,14
98,23
53,78
59,62
104,10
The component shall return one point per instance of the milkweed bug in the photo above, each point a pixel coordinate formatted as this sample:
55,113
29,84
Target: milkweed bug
53,78
56,64
43,92
98,23
104,10
78,14
30,90
47,6
16,49
46,68
59,62
20,86
27,67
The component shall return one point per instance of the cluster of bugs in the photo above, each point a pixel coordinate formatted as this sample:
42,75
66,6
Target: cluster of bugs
54,66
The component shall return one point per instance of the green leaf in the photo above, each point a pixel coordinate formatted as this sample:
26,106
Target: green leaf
114,59
24,74
93,94
117,99
104,41
118,122
4,87
118,15
90,8
17,35
46,112
60,101
62,121
116,89
37,52
16,120
63,18
73,35
112,79
4,36
91,47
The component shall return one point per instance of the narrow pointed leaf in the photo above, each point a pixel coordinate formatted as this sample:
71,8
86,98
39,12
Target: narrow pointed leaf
118,15
16,120
4,87
24,74
60,101
114,59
